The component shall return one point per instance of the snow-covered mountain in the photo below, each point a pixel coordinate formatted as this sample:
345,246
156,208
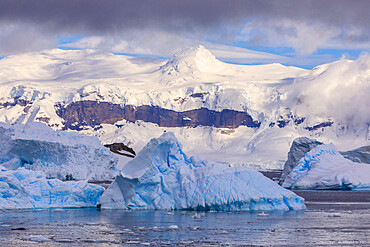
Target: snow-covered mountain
241,114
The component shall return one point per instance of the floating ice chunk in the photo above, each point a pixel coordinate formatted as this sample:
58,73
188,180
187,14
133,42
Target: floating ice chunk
37,238
58,210
196,216
173,227
325,168
262,214
62,155
137,242
22,188
163,177
334,215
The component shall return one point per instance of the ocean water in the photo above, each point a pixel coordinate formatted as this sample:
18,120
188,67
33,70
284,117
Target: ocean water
324,223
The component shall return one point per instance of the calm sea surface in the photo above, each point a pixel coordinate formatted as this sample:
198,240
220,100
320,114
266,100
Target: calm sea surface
344,221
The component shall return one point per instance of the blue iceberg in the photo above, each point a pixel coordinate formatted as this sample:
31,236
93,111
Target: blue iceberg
23,188
59,154
325,168
163,177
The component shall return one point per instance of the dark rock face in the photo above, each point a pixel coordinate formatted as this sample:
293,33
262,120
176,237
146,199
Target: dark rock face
16,101
284,120
198,95
121,149
93,113
43,119
318,126
282,123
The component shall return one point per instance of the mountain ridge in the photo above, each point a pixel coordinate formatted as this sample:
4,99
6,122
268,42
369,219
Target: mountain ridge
327,102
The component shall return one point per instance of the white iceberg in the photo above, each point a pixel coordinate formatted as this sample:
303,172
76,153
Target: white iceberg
163,177
298,150
59,154
23,188
359,155
325,168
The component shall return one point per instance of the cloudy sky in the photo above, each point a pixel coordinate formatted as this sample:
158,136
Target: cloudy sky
303,33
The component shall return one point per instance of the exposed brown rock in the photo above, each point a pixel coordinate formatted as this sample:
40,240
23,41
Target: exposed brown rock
27,108
93,113
318,126
16,101
43,119
198,95
119,147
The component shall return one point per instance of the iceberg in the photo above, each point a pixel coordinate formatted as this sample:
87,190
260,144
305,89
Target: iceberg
23,188
302,145
298,150
325,168
59,154
359,155
163,177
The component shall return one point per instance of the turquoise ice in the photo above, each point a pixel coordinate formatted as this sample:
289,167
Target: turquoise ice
23,188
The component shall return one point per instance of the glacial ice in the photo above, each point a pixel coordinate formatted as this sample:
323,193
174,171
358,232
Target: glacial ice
325,168
23,188
163,177
359,155
298,150
62,155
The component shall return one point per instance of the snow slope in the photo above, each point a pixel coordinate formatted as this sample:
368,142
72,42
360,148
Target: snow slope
163,177
325,168
22,188
58,154
288,102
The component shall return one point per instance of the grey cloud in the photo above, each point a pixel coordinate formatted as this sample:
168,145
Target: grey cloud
35,24
105,16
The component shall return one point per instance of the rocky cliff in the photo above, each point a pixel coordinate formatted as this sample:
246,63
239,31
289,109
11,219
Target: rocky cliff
94,113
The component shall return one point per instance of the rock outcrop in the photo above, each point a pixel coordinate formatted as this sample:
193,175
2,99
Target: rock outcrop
121,149
93,113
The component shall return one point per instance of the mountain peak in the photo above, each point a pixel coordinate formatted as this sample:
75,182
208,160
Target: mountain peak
196,52
192,60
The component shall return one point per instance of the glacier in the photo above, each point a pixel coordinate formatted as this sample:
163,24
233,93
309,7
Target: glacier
22,188
325,168
163,177
59,154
